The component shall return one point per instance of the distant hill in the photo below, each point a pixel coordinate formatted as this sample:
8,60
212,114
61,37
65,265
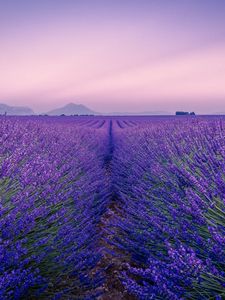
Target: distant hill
72,109
220,113
15,110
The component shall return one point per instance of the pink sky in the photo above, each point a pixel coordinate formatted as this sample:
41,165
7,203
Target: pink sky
133,56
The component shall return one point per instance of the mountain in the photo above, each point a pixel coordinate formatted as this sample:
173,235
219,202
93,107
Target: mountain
72,109
79,109
15,110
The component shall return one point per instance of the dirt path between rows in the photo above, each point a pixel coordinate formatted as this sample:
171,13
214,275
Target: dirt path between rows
114,260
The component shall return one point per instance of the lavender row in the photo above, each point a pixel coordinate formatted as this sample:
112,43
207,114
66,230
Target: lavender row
52,195
170,176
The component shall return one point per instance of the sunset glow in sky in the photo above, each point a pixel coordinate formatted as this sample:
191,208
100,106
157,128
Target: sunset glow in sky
113,55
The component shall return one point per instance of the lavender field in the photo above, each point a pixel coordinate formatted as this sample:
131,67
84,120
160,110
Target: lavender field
112,207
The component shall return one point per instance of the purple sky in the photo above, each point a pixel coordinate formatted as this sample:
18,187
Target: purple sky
113,55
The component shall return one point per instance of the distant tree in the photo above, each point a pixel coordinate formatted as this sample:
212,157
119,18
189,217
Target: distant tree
182,113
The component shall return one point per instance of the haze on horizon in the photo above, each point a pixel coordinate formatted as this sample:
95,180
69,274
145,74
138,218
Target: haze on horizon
126,55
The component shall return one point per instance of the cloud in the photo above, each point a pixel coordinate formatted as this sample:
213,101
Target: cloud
193,75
